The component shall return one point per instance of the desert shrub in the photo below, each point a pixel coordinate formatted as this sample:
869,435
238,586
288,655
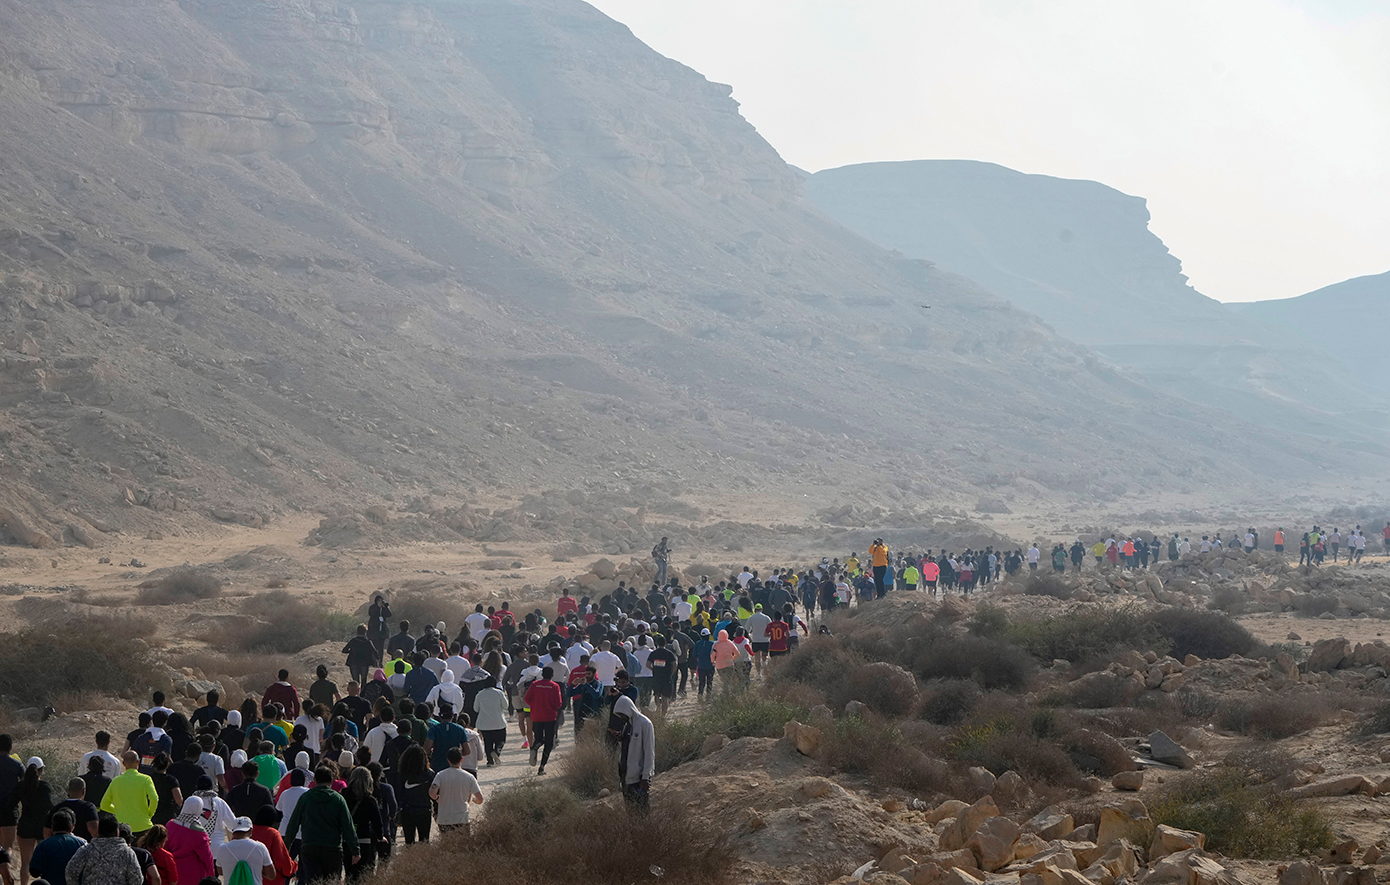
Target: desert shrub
1228,599
590,766
989,662
286,625
1208,635
421,607
1044,724
539,834
1262,763
1096,691
735,714
950,701
1239,819
1318,605
1047,585
1275,716
1092,634
819,662
1378,722
999,746
886,688
861,746
1197,704
39,665
184,585
277,583
988,621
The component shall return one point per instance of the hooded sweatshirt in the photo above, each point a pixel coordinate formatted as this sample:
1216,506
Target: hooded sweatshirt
637,762
725,652
447,691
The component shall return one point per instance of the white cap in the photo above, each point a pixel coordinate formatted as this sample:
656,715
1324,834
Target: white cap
34,762
242,825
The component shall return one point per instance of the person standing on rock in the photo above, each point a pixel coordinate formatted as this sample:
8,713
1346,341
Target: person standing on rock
661,555
361,654
377,630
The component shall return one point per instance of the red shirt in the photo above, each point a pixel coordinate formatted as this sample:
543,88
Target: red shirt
167,866
578,674
543,697
279,854
284,695
777,633
566,605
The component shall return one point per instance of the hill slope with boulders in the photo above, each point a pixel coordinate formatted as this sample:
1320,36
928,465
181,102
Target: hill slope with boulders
290,255
1080,255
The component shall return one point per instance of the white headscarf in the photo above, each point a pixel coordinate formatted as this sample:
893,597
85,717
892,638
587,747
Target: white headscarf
191,815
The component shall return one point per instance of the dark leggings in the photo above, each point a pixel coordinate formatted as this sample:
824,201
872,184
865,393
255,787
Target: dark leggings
545,738
365,864
704,680
416,820
493,739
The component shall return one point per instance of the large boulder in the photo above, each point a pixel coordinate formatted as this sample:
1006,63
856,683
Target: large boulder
1126,819
1329,654
805,738
1302,872
949,808
1342,786
1169,839
1164,749
967,821
993,843
1050,823
1191,867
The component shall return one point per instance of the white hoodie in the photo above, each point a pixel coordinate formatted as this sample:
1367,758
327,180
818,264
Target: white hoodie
447,691
641,746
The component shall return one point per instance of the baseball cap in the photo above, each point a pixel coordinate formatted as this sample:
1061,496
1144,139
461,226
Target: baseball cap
242,825
704,631
34,762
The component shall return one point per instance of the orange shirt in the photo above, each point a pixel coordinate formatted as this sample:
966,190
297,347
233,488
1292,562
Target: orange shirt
1278,537
879,552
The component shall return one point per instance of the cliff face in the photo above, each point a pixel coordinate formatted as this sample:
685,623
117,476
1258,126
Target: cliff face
1080,255
289,254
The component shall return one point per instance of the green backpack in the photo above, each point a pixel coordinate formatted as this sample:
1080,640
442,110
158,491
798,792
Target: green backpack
241,874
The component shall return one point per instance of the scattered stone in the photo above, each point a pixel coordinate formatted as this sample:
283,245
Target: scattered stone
892,806
981,780
1294,637
1371,855
821,716
1302,872
713,744
1083,834
1342,852
1191,867
856,709
1329,654
1010,784
806,738
1164,749
1050,823
1028,845
754,819
196,688
962,858
1169,839
1128,780
949,808
134,563
1342,786
816,787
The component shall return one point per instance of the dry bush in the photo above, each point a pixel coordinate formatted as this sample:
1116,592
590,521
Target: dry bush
590,766
1000,746
39,665
286,625
1096,692
878,750
1276,716
184,585
887,689
539,834
253,672
277,583
1089,635
1378,722
1318,605
820,662
950,701
1096,752
421,607
734,714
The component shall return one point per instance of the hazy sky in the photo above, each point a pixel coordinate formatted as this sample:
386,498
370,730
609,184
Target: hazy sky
1258,130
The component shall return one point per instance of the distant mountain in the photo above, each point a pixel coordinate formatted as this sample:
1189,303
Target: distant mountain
1080,255
1346,319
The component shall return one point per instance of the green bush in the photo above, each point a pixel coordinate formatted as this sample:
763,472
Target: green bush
1208,635
1048,585
1379,721
991,663
1238,819
999,746
988,621
1092,634
1275,717
286,625
735,714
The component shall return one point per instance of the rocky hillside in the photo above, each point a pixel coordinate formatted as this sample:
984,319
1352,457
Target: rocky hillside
258,257
1080,255
1343,320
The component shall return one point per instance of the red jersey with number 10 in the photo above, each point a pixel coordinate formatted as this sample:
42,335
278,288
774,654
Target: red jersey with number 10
777,633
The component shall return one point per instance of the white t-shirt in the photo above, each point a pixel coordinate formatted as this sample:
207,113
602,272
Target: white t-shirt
606,666
111,764
212,765
477,624
434,665
256,855
573,653
744,578
456,787
641,656
1249,540
315,729
288,800
683,610
1033,554
457,664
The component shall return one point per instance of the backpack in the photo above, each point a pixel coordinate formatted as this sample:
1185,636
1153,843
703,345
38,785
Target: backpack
241,874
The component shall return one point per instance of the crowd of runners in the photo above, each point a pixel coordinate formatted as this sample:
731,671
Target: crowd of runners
318,782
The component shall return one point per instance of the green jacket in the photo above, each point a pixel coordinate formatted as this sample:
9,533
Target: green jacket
131,796
321,819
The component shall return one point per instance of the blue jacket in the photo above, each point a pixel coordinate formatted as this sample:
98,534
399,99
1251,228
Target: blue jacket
703,651
418,683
